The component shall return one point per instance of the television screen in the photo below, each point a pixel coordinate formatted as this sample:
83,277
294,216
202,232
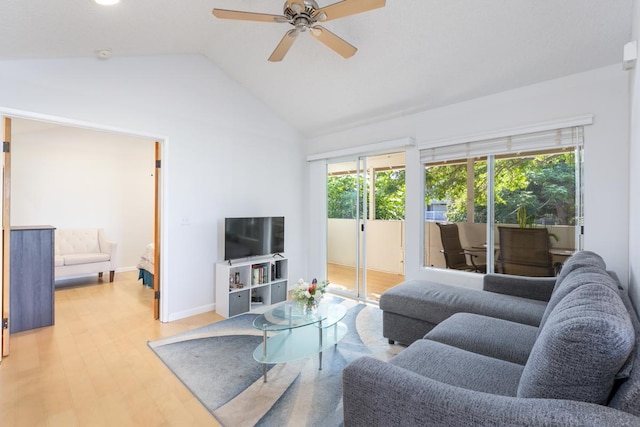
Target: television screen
255,236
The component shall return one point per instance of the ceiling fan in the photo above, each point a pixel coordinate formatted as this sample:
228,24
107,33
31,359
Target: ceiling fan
304,15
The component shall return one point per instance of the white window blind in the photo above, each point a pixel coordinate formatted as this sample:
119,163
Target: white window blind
546,140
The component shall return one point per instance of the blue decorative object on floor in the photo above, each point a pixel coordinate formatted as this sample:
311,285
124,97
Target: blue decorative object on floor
216,363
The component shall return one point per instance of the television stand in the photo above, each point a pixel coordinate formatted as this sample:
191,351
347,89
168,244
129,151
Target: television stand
243,285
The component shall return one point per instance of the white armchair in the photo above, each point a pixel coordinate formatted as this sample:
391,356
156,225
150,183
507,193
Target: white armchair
83,251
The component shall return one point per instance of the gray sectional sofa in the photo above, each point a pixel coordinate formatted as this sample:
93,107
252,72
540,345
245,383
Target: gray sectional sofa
523,351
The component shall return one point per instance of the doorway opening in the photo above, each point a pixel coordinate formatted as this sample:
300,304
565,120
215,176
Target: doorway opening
75,175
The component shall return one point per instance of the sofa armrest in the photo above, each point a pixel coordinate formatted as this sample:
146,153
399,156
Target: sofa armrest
377,393
107,246
538,288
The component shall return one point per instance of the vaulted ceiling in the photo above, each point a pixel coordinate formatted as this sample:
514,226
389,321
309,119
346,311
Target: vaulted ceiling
412,54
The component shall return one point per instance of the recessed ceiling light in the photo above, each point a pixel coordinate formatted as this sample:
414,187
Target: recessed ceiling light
106,2
104,53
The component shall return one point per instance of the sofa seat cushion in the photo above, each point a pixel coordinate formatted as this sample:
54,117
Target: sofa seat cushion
585,342
460,368
497,338
58,261
433,302
75,259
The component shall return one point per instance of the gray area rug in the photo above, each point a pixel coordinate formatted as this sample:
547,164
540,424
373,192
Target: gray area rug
216,363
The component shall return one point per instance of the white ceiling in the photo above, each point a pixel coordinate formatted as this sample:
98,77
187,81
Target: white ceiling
412,54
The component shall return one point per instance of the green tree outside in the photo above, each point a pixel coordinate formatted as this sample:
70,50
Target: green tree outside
544,184
389,195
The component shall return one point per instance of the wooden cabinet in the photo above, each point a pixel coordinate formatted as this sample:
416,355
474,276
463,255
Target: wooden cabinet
32,278
241,286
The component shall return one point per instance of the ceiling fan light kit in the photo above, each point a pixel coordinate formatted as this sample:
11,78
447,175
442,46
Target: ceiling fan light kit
304,15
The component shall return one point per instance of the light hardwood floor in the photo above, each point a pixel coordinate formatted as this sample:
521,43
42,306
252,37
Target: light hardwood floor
93,367
377,282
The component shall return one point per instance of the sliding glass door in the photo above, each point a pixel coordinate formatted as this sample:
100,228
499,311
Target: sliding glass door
345,193
365,230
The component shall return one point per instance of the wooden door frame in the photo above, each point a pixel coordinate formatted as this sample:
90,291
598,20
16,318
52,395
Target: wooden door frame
6,197
6,234
156,231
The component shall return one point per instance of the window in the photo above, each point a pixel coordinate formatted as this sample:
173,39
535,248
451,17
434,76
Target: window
527,182
455,192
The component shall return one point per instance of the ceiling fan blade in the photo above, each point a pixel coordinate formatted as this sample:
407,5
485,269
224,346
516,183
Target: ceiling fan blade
347,7
247,16
332,41
284,45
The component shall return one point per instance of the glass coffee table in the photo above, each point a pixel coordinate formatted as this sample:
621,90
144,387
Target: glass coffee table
299,334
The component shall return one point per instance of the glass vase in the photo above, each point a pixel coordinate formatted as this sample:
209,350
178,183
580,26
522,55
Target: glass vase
310,307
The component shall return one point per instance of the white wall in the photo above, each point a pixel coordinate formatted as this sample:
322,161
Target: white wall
224,152
602,92
73,178
634,181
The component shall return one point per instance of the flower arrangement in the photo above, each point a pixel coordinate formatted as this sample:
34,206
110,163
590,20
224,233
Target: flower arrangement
309,294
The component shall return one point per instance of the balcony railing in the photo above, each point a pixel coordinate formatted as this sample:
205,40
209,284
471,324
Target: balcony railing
385,242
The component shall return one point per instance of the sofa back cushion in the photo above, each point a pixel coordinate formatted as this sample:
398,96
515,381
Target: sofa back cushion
579,276
585,342
76,241
627,392
577,260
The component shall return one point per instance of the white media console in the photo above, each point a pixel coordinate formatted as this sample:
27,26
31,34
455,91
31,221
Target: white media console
243,285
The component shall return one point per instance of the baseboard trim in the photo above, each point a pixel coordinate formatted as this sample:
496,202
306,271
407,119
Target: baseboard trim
192,312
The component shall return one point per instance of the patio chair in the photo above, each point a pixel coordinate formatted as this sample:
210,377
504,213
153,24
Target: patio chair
525,252
455,256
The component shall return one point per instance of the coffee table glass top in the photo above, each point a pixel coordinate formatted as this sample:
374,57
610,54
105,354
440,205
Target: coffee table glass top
290,315
298,335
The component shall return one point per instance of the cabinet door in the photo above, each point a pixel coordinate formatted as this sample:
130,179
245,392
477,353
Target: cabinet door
278,292
32,290
238,303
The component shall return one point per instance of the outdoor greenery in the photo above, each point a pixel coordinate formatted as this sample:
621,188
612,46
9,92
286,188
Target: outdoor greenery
389,195
544,186
342,198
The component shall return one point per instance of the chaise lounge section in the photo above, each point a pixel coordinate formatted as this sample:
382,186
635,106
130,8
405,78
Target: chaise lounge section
570,360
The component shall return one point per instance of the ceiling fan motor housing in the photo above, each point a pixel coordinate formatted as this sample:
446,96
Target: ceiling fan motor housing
301,18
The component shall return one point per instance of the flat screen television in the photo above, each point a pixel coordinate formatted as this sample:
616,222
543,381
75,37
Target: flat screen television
255,236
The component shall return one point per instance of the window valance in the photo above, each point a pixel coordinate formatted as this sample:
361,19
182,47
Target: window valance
536,141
